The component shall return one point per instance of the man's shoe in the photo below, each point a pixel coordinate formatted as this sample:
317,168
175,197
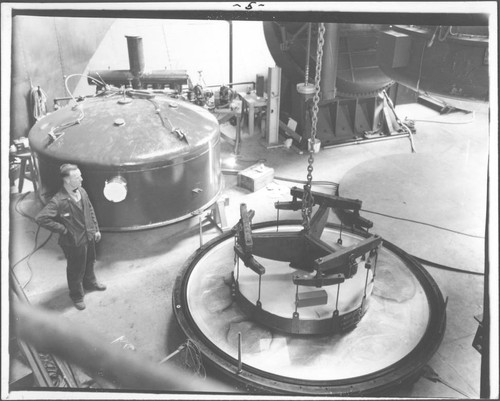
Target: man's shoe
96,287
80,305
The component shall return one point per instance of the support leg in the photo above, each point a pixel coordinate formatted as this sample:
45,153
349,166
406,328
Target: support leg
251,117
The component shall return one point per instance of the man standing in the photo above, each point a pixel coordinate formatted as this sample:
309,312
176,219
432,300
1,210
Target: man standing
71,214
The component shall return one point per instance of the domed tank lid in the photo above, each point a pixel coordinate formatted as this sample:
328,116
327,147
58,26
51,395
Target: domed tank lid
125,131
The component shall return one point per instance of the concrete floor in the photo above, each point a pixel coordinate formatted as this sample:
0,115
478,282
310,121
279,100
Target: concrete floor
140,268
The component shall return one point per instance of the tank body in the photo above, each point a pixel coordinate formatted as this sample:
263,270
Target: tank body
146,160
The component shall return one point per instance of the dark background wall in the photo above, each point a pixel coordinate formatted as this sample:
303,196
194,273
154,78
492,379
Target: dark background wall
44,51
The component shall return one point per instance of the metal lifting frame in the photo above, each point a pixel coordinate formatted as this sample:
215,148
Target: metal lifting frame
305,250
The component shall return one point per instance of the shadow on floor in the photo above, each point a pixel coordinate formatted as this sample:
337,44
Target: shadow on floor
60,301
123,246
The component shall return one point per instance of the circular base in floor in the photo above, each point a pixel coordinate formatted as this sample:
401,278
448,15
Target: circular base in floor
399,333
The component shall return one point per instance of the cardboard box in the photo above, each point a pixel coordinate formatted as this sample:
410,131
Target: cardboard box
255,177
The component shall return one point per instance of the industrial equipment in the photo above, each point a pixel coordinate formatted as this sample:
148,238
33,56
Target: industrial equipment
137,77
147,156
319,309
353,105
449,62
360,321
361,65
323,265
293,46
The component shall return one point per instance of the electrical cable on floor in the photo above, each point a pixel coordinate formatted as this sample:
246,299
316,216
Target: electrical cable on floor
431,374
449,122
36,247
398,120
19,210
194,360
421,222
410,136
51,364
428,262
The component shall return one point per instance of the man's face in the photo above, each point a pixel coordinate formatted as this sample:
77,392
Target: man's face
74,179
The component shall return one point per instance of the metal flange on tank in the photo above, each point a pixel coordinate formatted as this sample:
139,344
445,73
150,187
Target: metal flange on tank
323,310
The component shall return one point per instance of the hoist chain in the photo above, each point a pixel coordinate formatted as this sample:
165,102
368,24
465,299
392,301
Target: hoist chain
308,200
308,54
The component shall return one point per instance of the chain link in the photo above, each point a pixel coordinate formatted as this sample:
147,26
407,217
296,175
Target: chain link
308,200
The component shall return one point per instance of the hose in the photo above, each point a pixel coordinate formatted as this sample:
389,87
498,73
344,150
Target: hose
79,75
36,247
398,120
425,224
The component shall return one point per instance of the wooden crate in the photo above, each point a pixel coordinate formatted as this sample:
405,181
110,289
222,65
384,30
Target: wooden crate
255,177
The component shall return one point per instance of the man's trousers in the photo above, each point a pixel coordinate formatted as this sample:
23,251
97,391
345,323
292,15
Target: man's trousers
80,268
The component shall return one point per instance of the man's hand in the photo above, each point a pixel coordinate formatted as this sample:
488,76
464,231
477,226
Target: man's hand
97,236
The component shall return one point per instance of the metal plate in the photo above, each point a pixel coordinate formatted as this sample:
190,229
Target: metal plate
398,334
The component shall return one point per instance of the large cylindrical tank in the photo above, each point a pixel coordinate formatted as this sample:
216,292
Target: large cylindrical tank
146,159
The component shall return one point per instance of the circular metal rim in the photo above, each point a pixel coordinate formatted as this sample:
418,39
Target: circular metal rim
259,381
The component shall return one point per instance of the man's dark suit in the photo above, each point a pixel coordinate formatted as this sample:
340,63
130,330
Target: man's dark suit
77,226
